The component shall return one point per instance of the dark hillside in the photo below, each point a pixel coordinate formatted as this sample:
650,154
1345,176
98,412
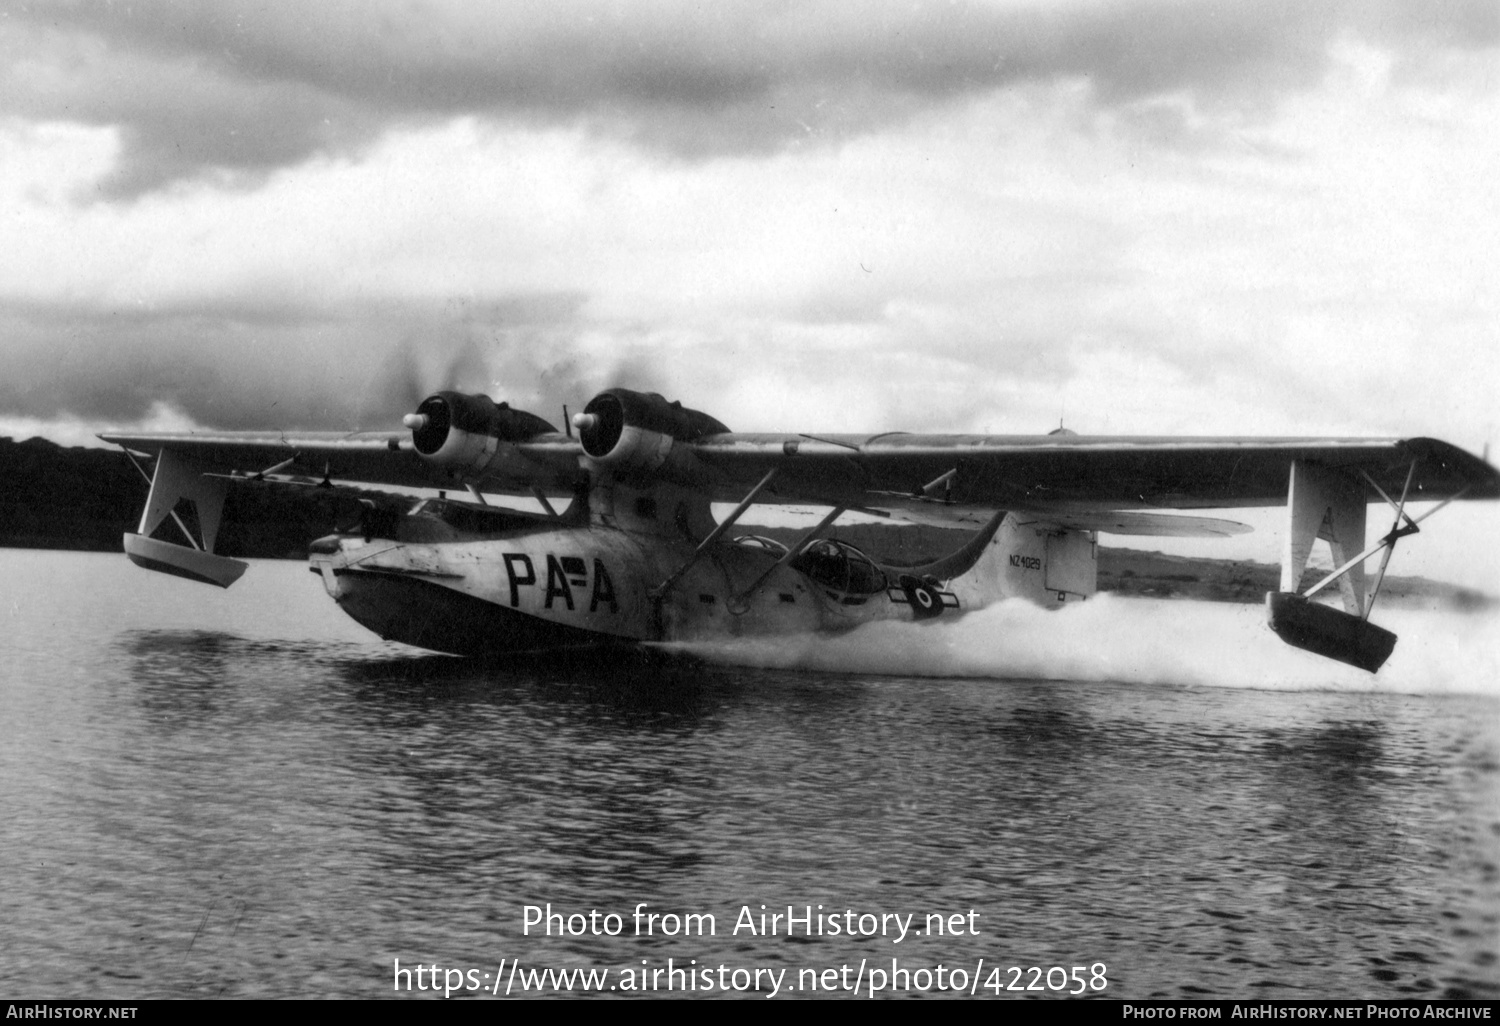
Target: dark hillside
57,498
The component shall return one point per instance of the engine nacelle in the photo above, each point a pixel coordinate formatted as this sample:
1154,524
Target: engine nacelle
626,430
462,433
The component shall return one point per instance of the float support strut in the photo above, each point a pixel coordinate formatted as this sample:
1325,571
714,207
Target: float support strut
1390,540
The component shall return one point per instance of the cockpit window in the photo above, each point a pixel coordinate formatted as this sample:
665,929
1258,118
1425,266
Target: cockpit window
839,566
755,541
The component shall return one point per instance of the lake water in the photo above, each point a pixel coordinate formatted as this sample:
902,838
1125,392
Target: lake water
244,793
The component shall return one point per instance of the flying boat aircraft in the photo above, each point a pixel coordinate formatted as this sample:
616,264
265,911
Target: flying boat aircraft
629,552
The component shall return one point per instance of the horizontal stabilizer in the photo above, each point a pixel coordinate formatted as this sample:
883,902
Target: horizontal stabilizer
1153,525
1326,631
181,561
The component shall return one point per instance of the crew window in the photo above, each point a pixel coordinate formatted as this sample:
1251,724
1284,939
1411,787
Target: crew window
839,566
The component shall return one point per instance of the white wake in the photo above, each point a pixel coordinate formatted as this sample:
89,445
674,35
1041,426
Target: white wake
1131,640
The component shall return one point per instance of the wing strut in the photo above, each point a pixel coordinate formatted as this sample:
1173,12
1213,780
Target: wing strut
1401,514
175,518
278,468
176,479
945,482
541,497
1322,504
1388,542
713,536
740,603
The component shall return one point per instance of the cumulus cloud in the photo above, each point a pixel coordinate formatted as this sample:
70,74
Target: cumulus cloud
1150,216
212,89
233,367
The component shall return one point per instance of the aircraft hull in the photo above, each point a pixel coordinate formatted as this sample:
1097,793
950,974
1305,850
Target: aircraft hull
547,587
428,615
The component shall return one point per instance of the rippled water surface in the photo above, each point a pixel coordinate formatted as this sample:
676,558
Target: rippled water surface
245,794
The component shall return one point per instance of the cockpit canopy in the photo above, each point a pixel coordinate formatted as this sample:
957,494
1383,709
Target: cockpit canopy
839,567
760,542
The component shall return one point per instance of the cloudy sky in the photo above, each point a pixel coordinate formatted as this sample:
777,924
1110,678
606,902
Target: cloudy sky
1174,216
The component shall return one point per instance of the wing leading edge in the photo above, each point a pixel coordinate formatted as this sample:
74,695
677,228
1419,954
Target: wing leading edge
941,478
366,457
1079,474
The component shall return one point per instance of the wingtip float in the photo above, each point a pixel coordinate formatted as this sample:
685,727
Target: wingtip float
636,554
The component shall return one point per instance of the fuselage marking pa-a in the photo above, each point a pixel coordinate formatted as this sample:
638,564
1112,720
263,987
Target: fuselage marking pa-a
564,573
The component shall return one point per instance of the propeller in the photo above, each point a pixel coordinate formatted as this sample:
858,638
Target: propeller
405,378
